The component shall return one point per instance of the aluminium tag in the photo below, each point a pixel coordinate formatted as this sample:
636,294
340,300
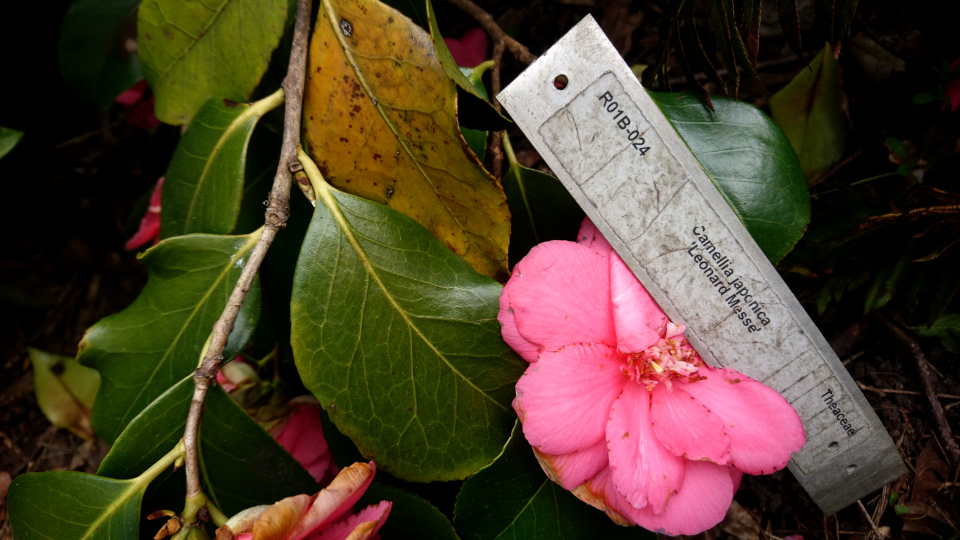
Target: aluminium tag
619,157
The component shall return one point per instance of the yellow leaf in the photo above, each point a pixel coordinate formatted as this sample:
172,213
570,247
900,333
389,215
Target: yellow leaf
65,391
380,119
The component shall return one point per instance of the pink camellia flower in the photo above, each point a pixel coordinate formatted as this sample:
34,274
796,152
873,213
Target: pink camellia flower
139,110
149,230
618,406
471,49
320,517
301,434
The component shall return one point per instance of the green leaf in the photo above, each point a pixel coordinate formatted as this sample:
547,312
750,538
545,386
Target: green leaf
240,464
514,499
542,210
145,349
204,183
946,327
897,146
191,52
752,164
65,391
411,517
886,279
924,98
98,56
66,504
486,118
398,339
808,112
8,139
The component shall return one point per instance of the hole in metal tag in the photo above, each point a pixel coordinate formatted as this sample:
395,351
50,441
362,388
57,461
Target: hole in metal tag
585,112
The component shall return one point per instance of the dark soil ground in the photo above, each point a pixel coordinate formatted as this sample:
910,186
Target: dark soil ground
71,184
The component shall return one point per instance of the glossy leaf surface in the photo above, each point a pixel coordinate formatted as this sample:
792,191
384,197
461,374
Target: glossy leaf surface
411,517
66,504
514,499
240,464
752,164
147,348
191,52
98,49
205,179
65,391
381,123
808,111
542,210
398,339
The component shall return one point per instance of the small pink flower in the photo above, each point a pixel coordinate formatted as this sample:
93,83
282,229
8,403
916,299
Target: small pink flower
471,49
149,230
320,517
301,434
618,406
139,110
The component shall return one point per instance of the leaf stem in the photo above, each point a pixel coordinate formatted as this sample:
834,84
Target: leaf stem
161,465
278,210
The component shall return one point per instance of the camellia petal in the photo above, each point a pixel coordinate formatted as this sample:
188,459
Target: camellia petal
527,350
637,318
335,500
700,504
642,469
763,428
559,417
560,294
686,427
589,235
571,470
362,525
277,521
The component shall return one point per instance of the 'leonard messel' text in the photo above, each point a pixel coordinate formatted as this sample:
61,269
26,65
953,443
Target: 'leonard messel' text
718,269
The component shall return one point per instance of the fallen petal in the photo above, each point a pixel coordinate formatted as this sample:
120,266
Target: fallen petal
362,525
334,500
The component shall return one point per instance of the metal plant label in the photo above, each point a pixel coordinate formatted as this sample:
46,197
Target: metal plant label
593,123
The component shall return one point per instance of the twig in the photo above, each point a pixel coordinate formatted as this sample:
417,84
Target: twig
883,391
278,209
494,146
517,49
833,170
926,379
869,519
